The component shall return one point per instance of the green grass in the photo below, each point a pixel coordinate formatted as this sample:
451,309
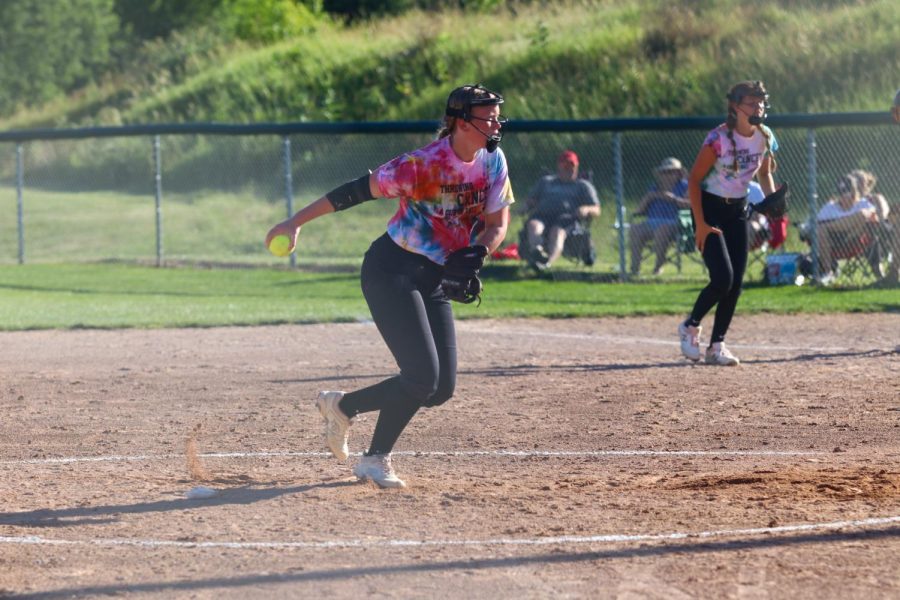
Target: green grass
63,296
87,256
210,226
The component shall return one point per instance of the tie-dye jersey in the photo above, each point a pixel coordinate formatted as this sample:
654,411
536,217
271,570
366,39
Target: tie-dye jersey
723,180
443,200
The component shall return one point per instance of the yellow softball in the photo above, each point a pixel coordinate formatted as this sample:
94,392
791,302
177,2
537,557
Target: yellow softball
280,245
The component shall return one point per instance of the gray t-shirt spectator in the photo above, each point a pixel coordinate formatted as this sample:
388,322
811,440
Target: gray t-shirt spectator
557,201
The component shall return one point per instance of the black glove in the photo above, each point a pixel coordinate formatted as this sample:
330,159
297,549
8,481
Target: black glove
460,280
775,204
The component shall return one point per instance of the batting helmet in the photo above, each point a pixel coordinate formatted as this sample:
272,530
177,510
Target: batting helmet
752,89
462,99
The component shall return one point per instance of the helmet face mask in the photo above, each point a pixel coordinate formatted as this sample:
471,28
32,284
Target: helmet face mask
469,96
750,89
463,99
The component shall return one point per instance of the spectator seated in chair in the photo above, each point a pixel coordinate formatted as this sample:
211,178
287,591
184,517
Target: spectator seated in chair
660,205
560,206
846,228
889,225
866,181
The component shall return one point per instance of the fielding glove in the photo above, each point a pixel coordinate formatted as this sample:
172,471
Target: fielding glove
775,204
460,279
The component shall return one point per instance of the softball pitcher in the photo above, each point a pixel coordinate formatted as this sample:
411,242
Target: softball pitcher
454,196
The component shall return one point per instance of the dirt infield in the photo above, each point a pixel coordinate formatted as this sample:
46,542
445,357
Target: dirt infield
579,458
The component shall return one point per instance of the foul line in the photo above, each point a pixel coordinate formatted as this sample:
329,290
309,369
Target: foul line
540,541
459,453
608,338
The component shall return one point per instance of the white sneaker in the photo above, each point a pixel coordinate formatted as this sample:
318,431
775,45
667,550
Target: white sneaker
718,354
378,468
690,341
337,424
827,279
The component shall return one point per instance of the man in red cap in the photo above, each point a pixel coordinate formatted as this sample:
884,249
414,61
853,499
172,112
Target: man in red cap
557,203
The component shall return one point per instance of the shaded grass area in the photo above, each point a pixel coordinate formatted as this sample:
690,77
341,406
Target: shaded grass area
52,296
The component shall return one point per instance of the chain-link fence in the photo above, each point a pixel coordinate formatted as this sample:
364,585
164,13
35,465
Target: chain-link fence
208,193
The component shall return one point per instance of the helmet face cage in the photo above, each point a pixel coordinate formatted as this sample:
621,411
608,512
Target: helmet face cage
755,89
462,99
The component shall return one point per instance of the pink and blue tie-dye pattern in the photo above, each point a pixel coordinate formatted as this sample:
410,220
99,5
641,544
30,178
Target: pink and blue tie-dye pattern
442,198
723,180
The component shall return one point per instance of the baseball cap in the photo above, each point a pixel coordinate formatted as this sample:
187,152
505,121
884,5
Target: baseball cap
568,156
669,164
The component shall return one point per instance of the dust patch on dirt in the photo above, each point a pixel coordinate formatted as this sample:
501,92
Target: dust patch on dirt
196,468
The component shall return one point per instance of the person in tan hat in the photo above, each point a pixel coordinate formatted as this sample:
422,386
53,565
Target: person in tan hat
660,205
556,204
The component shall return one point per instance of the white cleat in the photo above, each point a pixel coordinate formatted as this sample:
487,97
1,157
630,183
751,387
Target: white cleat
718,354
378,468
690,341
337,424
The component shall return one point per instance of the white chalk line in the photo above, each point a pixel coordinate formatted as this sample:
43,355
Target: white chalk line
630,340
395,543
414,453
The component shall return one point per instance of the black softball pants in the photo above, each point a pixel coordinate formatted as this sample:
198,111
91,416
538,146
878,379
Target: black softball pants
725,257
415,319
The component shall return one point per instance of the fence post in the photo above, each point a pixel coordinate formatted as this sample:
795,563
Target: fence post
157,166
20,207
620,201
288,186
813,200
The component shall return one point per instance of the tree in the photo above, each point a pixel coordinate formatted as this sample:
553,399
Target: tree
50,48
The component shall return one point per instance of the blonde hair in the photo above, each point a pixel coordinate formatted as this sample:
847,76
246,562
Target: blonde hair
865,180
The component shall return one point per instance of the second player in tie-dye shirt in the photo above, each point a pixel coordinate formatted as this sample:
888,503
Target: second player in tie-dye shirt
744,153
731,156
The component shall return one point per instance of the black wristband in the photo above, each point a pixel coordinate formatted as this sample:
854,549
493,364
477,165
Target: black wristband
350,194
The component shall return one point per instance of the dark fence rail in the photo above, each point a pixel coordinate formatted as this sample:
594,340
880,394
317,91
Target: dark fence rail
523,126
258,170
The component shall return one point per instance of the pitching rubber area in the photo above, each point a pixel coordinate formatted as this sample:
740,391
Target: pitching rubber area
579,458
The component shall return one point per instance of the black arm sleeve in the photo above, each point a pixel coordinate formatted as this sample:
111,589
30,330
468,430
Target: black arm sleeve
350,194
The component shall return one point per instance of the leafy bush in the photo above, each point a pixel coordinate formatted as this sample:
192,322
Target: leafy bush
265,20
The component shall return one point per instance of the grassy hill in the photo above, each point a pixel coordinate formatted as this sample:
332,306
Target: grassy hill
566,59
